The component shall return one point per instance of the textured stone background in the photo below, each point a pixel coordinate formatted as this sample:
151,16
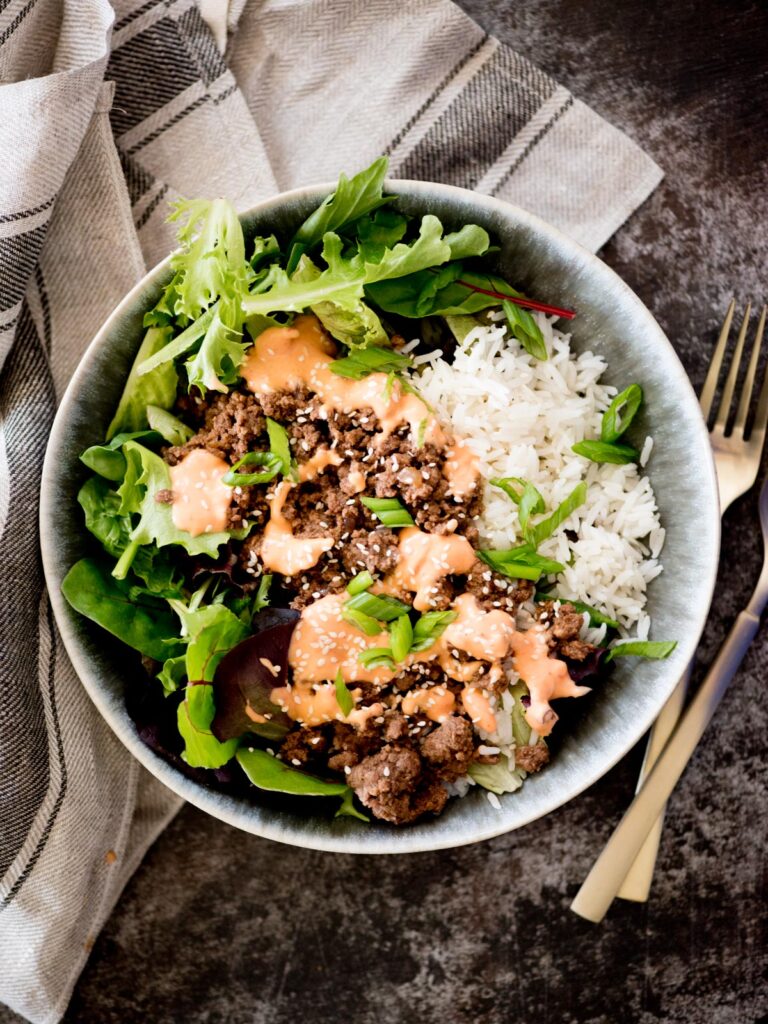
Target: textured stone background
218,926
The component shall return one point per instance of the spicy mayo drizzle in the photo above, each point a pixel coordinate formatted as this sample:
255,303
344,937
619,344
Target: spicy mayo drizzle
425,558
280,550
200,499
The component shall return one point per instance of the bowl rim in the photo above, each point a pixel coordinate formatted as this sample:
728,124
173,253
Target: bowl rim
230,809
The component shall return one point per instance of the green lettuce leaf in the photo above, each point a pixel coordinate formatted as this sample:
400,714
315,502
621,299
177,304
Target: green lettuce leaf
194,717
359,327
216,363
353,198
267,772
143,389
170,427
108,460
145,476
501,777
173,673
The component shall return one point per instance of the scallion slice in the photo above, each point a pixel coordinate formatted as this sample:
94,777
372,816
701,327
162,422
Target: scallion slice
378,606
600,451
389,511
654,649
620,413
365,623
359,583
520,563
400,637
272,463
280,446
535,535
429,628
377,657
344,698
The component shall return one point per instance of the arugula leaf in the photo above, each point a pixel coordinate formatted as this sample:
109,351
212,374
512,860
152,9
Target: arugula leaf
266,772
141,389
359,364
520,563
344,698
146,475
194,717
538,533
358,327
143,623
654,649
353,198
170,427
600,451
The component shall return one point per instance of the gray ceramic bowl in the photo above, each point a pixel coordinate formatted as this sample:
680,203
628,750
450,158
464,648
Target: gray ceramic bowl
611,320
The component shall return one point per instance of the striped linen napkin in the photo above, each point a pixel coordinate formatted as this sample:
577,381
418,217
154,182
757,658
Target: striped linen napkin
106,113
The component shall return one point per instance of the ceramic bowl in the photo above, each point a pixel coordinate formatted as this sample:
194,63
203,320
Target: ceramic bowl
612,321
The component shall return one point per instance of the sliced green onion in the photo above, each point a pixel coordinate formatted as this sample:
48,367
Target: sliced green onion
523,327
620,413
363,622
359,583
654,649
429,627
389,511
596,617
528,499
421,432
272,463
401,637
280,446
344,698
535,535
378,606
377,657
599,451
520,563
374,359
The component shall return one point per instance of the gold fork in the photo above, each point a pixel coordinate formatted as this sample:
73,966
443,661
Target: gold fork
737,461
626,865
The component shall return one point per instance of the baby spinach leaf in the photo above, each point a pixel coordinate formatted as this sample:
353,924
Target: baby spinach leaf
103,518
108,460
141,390
267,772
143,623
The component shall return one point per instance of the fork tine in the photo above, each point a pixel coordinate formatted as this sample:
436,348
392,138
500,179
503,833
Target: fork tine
730,383
710,384
757,437
749,381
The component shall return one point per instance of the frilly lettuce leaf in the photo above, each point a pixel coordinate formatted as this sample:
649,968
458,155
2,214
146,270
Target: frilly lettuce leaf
216,363
356,328
145,476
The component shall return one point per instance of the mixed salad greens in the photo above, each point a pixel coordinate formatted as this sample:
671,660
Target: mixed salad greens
168,594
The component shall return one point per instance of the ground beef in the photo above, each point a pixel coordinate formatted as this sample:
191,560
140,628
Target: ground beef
304,745
449,748
375,551
564,628
532,759
349,746
233,425
493,590
394,785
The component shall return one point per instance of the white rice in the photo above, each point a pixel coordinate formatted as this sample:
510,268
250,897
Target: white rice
521,416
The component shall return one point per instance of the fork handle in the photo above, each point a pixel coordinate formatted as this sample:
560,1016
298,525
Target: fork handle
637,884
609,870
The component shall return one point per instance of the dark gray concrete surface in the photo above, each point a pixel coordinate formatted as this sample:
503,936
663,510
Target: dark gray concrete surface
218,926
